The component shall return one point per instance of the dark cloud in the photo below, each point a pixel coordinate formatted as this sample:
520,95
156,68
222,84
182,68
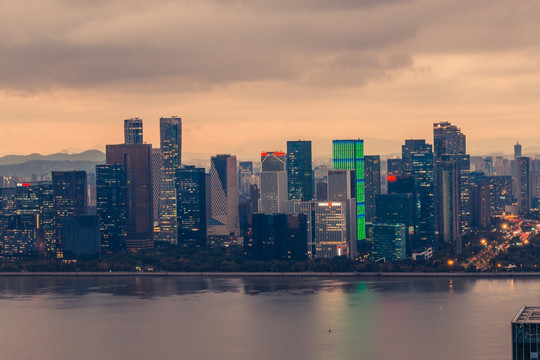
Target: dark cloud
184,44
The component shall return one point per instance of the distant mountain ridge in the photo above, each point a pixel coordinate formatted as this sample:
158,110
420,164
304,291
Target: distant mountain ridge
44,167
89,155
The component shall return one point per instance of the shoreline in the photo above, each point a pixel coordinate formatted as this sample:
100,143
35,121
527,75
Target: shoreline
359,275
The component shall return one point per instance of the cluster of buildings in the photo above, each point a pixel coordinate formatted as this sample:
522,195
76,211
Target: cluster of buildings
280,208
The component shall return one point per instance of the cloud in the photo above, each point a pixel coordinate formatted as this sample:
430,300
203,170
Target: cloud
183,45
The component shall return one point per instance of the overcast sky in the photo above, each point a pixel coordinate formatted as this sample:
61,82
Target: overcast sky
246,76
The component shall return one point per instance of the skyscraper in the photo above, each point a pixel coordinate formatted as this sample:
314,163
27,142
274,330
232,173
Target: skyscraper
394,167
139,216
273,183
412,146
155,156
70,199
372,178
171,154
191,206
299,170
224,192
524,193
133,131
111,207
517,151
389,241
349,154
422,167
326,229
453,165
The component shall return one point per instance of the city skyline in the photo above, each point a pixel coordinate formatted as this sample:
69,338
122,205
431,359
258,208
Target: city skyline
234,72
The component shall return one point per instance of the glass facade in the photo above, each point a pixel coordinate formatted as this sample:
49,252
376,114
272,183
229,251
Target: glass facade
111,206
191,206
299,170
349,154
526,334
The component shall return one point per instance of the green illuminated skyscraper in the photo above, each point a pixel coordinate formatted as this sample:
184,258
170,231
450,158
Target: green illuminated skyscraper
349,155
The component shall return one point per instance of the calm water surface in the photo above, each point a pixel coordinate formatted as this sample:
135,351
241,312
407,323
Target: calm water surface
259,318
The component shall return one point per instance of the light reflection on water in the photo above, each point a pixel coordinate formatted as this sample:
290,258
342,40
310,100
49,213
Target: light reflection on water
259,317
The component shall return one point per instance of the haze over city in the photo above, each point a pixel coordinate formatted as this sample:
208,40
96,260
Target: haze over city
247,76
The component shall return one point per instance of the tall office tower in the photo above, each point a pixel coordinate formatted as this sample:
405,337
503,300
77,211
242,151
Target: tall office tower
138,167
517,151
224,192
500,189
342,188
525,335
245,171
322,190
273,161
38,199
326,229
19,235
447,139
81,236
171,156
399,208
341,185
133,131
480,199
111,207
279,237
389,241
155,156
524,193
448,201
299,170
191,206
274,192
394,167
69,200
372,177
422,169
449,145
349,155
408,184
412,147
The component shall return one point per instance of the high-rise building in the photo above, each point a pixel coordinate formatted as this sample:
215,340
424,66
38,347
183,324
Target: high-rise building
412,146
111,207
171,156
299,170
517,151
500,188
245,171
81,236
19,235
399,208
525,334
274,191
155,156
133,131
191,206
394,167
450,147
224,193
389,241
273,161
447,139
279,237
422,168
137,164
372,178
38,199
349,154
448,203
327,229
70,198
342,189
480,200
524,193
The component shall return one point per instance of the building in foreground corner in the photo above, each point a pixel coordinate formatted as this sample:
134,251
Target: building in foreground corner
526,333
